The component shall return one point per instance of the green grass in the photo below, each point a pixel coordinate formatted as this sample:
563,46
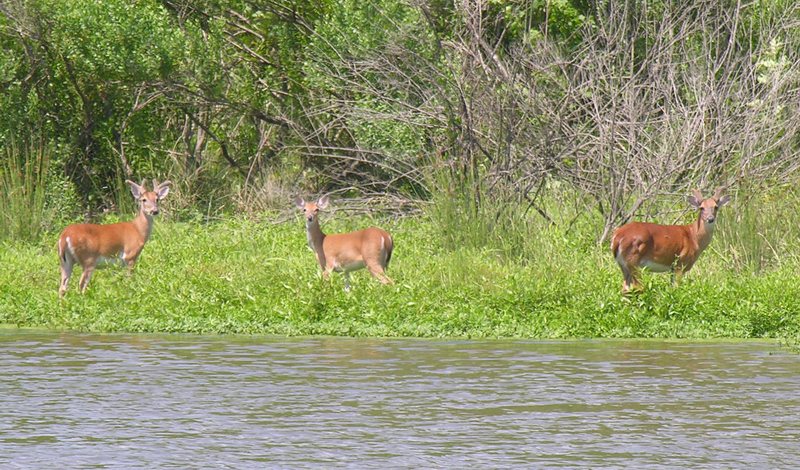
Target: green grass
23,177
240,276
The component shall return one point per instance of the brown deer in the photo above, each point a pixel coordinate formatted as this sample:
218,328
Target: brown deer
87,244
346,252
662,248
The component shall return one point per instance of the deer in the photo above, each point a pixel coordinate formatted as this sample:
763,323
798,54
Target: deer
666,248
346,252
88,244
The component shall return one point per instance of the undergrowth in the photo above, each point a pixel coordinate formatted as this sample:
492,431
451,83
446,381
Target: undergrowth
242,276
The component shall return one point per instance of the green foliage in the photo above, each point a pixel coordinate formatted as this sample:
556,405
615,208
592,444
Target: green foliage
114,40
239,276
216,93
244,104
75,73
529,21
772,63
467,213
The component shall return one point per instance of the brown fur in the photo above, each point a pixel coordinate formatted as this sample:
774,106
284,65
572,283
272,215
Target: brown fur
86,244
371,247
676,247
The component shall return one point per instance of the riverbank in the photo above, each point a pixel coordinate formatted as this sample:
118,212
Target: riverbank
245,277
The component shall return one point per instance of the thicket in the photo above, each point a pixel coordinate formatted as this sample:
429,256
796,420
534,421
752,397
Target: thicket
582,114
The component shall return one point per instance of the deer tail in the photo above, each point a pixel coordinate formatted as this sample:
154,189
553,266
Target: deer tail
64,250
62,255
389,247
615,240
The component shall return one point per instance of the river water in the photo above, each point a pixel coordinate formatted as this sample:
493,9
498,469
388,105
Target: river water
122,401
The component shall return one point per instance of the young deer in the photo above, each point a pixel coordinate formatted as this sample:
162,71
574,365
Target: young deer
346,252
663,248
87,244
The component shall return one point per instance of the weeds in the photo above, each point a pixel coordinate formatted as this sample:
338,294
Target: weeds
24,213
239,276
461,270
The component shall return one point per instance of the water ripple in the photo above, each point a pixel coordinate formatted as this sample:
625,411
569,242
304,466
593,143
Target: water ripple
74,401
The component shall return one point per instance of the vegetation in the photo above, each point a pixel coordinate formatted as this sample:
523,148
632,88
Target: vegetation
246,276
500,141
239,101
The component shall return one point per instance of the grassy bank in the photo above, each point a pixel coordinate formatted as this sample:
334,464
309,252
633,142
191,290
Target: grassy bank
240,276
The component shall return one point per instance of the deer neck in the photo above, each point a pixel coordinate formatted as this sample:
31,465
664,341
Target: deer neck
315,236
702,231
143,224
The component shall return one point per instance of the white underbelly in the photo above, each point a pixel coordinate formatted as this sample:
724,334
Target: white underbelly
656,267
355,265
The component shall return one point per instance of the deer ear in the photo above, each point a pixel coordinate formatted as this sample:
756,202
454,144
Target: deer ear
693,201
162,189
322,203
136,190
300,202
723,200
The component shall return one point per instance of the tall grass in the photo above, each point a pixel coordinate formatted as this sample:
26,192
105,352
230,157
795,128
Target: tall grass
24,213
760,231
757,233
263,193
476,265
470,213
474,215
239,276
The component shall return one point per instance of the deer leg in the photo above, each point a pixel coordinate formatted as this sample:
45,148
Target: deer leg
626,279
627,275
85,276
627,284
88,269
347,281
636,283
677,275
131,257
67,263
627,268
130,262
377,272
631,282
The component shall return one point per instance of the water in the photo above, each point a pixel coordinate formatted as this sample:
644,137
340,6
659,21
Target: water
75,400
